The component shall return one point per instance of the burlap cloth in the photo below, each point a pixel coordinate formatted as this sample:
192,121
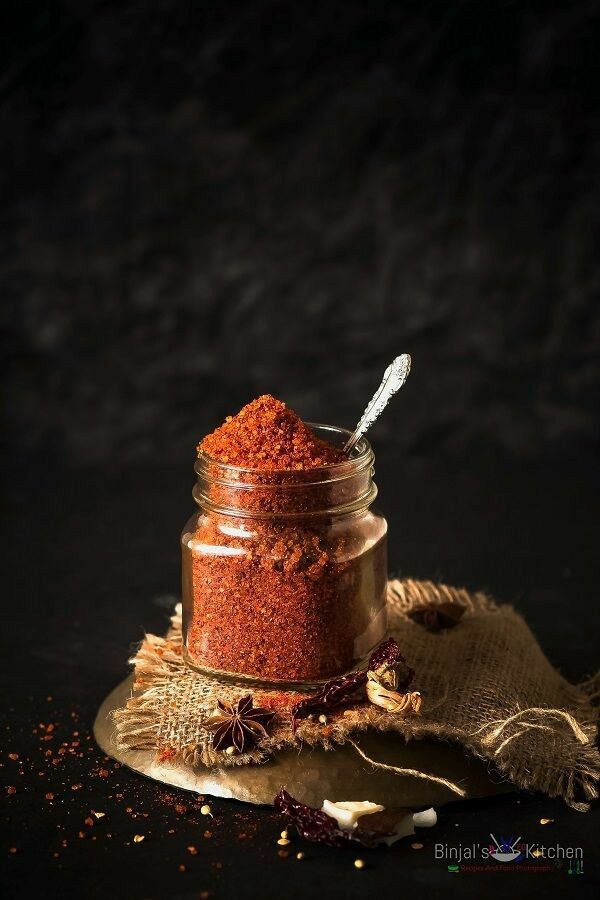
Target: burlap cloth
485,684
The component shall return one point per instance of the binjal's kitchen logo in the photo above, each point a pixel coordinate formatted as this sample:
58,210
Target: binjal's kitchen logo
502,850
504,854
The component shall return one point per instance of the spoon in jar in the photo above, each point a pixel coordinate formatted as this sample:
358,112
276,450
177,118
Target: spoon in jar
394,378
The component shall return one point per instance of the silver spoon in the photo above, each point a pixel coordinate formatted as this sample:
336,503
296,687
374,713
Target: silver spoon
393,379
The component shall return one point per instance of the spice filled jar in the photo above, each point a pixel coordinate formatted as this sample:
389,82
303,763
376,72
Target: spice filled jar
284,571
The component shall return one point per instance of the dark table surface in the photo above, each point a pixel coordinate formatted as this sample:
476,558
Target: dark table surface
92,560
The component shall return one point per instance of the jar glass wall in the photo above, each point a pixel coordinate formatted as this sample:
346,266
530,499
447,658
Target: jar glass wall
284,573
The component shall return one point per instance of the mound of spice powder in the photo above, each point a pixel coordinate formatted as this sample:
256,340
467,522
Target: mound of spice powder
276,584
267,435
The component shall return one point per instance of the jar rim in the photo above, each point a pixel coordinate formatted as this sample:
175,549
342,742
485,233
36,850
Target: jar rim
362,456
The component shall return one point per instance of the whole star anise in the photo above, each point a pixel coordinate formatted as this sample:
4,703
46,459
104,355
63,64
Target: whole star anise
438,616
239,725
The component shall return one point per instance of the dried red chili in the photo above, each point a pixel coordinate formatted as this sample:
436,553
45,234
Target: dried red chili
350,688
315,825
310,823
336,693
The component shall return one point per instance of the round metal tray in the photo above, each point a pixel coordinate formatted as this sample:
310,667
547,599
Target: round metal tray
313,774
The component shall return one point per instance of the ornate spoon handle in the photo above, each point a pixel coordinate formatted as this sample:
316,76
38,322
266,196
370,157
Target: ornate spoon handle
393,378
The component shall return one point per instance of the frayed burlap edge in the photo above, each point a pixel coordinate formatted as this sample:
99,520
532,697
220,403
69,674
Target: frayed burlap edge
485,683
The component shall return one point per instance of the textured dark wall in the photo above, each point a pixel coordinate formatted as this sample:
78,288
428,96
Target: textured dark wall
202,203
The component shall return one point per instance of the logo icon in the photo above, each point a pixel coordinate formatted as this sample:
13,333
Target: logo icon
506,850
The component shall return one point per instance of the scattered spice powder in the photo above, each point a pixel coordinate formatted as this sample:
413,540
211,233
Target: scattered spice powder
276,584
166,753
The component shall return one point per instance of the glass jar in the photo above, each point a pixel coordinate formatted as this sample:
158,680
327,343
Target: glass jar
284,572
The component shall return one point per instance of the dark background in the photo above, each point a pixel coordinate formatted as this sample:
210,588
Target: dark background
204,202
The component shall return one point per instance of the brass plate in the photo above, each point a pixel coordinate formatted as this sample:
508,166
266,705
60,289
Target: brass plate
312,775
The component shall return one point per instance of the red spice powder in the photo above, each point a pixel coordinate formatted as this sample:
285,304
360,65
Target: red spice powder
267,435
281,591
